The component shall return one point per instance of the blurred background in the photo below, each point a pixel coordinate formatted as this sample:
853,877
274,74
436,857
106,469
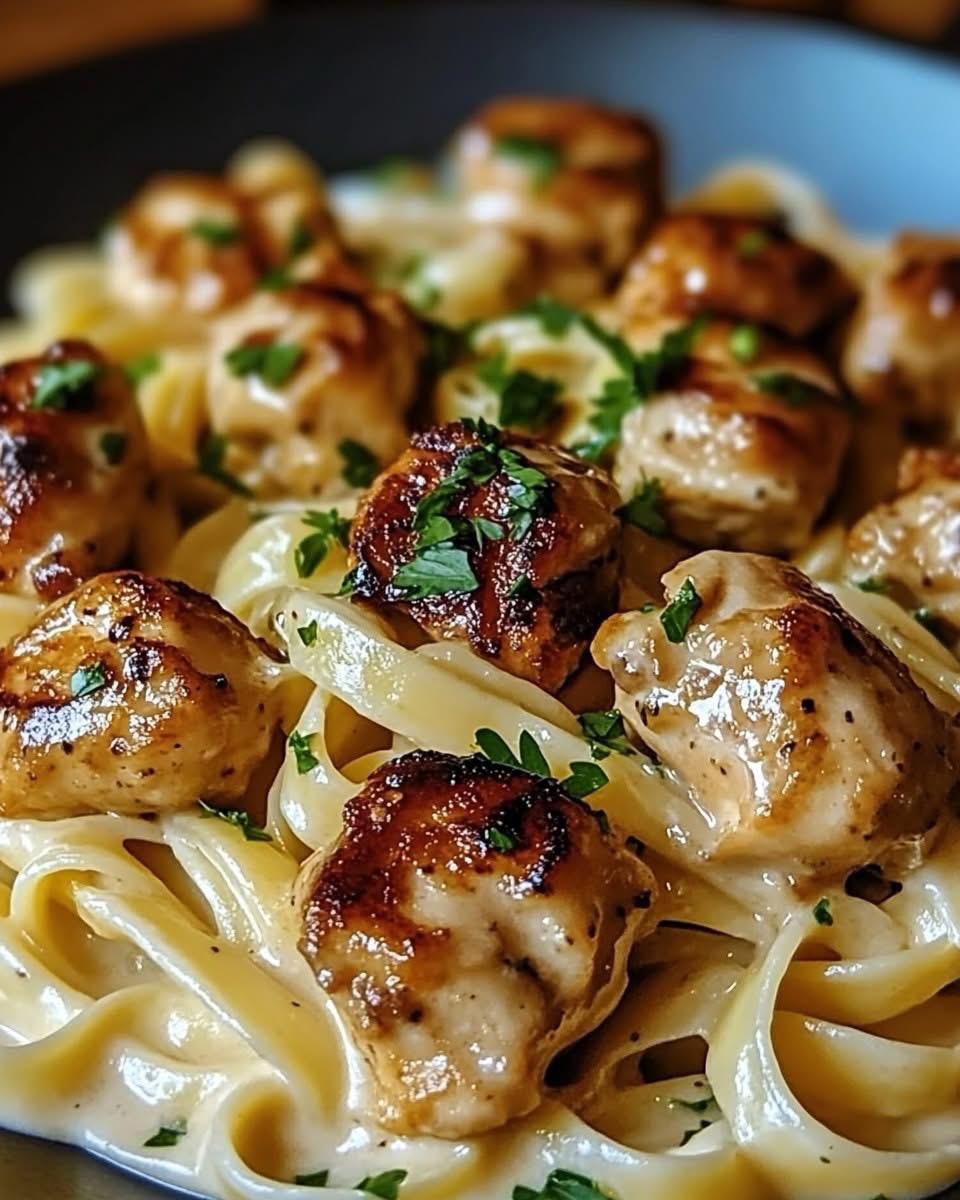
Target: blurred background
36,35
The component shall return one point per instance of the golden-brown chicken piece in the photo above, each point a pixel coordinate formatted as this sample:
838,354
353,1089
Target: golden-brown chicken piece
494,538
72,469
746,437
471,921
802,736
295,373
903,348
194,245
911,545
734,267
581,182
132,695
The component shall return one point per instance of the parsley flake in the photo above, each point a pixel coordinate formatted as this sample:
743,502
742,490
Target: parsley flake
273,362
752,242
584,779
527,401
87,680
299,743
240,819
522,589
301,239
308,633
644,509
348,585
168,1135
563,1185
275,280
499,839
542,159
604,731
210,455
386,1185
139,369
793,390
57,384
821,912
360,465
678,614
689,1133
874,584
217,233
113,446
744,343
314,1179
697,1106
310,552
436,570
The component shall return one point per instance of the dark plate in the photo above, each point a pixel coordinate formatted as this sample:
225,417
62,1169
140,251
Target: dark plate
876,126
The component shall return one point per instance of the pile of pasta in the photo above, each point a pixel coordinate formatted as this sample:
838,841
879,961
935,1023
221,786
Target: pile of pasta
154,1005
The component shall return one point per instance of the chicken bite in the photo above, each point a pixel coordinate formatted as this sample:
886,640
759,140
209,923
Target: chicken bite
580,182
911,545
132,695
799,733
471,922
745,437
903,348
72,469
505,542
295,373
734,267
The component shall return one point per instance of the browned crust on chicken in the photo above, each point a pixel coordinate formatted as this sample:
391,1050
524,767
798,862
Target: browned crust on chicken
443,881
132,695
568,558
736,267
66,510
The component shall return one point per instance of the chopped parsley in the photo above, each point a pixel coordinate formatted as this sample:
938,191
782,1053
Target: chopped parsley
310,552
299,743
217,233
417,286
500,839
689,1133
930,621
87,680
821,912
563,1185
793,390
168,1135
139,369
436,570
522,589
604,731
113,446
360,465
527,401
210,455
386,1185
275,280
584,777
744,343
242,820
697,1106
752,242
273,362
873,583
301,239
542,159
57,384
348,585
308,633
444,345
314,1179
644,509
678,614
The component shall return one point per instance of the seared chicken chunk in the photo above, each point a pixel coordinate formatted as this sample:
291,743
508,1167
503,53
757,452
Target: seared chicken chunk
580,182
734,267
72,469
497,539
471,921
903,348
132,695
911,545
745,436
295,373
802,736
195,245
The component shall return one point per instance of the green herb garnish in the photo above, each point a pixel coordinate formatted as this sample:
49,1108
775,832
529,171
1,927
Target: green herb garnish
143,367
821,912
874,584
792,389
240,819
348,585
168,1135
563,1185
217,233
273,362
87,680
744,343
113,446
500,839
522,589
385,1185
360,465
436,570
314,1179
644,509
210,455
678,614
57,384
301,239
584,777
542,159
308,633
697,1106
527,401
275,280
752,242
310,552
299,743
605,732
